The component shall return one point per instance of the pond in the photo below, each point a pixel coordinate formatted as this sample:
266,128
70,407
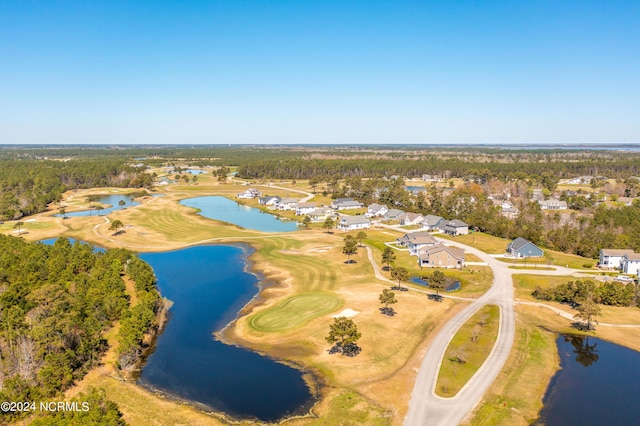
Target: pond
51,241
225,210
416,188
209,285
111,200
598,384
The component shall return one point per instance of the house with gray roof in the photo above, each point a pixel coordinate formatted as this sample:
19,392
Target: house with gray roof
376,210
411,219
415,241
522,248
612,258
456,227
346,204
441,256
305,208
631,263
552,204
352,223
393,214
269,200
433,223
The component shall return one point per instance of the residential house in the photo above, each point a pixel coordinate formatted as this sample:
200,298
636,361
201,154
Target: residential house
627,201
411,219
537,195
430,178
321,214
352,223
522,248
376,210
433,223
441,256
415,241
346,204
456,227
580,180
393,214
510,212
552,204
269,200
631,263
287,204
249,193
612,258
305,208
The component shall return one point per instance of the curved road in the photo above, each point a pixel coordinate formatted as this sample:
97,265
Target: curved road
426,408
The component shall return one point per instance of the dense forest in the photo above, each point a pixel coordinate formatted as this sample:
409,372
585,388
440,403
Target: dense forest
27,185
56,302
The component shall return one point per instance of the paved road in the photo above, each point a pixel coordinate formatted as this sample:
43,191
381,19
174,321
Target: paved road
426,408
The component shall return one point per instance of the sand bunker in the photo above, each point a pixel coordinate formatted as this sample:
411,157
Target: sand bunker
346,313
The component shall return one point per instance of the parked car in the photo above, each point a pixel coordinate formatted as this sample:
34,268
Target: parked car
624,278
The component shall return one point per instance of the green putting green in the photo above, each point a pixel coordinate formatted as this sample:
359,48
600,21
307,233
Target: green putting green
295,311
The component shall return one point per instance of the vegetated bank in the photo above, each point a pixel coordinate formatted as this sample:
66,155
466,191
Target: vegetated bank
57,302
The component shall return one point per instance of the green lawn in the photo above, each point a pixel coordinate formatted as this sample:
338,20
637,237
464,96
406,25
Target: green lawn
295,311
468,350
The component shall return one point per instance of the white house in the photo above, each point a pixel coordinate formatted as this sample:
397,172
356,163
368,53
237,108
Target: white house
631,263
411,219
321,214
287,204
351,223
415,241
269,200
376,210
346,204
430,178
249,193
612,258
552,204
305,208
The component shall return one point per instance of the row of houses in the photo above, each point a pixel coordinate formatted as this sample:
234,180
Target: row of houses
626,261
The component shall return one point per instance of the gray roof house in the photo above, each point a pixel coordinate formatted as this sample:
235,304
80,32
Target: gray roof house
411,219
376,209
346,204
415,241
524,248
305,208
350,223
552,204
612,258
269,200
441,256
393,214
433,223
456,227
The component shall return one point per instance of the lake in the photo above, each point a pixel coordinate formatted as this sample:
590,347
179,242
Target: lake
111,200
598,384
225,210
209,285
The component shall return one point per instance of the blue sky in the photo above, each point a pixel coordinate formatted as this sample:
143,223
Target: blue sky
319,71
